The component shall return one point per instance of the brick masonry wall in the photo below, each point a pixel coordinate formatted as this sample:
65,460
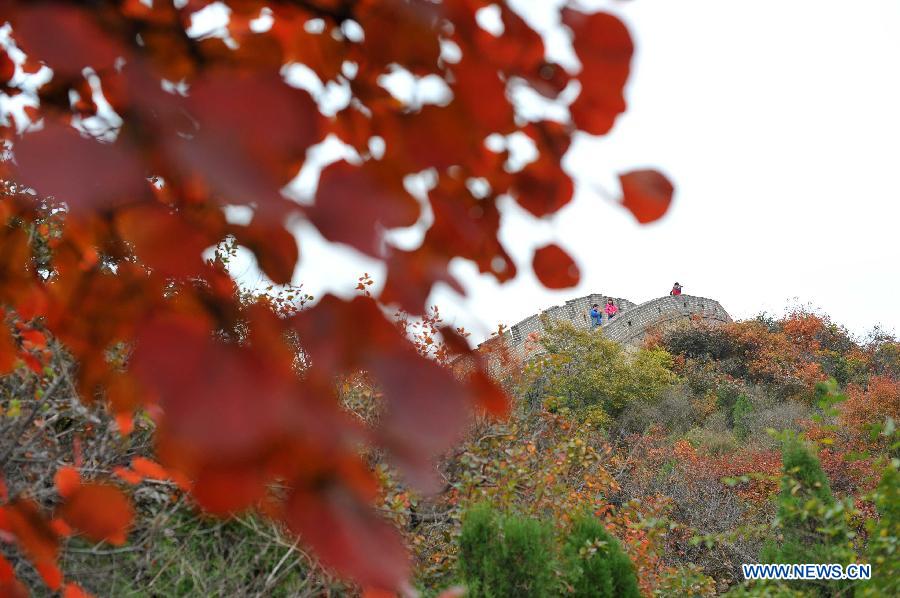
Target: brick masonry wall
573,310
629,327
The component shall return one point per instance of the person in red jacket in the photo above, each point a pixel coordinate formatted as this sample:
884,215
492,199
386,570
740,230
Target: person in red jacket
611,309
676,290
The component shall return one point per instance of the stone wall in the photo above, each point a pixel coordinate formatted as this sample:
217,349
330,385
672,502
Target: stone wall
629,327
574,311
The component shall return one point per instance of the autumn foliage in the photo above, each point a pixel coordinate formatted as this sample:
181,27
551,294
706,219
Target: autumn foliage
122,158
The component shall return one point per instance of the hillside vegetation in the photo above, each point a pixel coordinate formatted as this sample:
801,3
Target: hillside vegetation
769,440
657,471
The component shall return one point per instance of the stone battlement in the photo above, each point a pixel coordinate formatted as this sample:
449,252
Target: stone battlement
629,327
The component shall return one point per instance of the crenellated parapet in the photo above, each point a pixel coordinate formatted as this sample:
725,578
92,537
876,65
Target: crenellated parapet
629,327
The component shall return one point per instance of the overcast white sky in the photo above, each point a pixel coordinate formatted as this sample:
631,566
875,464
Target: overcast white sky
779,123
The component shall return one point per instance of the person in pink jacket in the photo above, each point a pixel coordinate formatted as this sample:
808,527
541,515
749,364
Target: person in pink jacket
611,309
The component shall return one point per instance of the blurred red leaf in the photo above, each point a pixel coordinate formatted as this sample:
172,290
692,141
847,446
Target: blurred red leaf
100,511
85,173
13,589
67,480
125,423
165,241
73,590
348,537
50,573
8,350
128,476
6,570
7,67
275,249
218,398
32,531
647,194
542,187
62,529
555,268
229,490
245,155
355,203
399,32
149,469
604,47
64,37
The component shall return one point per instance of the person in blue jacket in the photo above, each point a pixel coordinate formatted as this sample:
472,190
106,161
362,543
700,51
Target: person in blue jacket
596,316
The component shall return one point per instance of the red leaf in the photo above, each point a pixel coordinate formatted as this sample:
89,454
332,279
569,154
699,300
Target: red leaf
353,204
33,339
490,396
647,194
226,491
73,590
67,480
275,249
50,573
85,173
33,363
246,155
13,589
32,531
543,187
128,476
7,67
101,511
218,398
6,571
554,268
348,537
149,469
64,37
165,241
62,528
8,350
125,423
604,47
399,32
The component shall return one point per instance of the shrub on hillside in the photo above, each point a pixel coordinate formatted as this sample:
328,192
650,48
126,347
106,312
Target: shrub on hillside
741,415
674,412
688,580
884,538
713,442
872,405
505,556
810,522
772,415
595,565
581,369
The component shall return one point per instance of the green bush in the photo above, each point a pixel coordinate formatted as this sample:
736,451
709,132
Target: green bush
478,543
810,522
595,564
505,556
741,416
884,538
581,369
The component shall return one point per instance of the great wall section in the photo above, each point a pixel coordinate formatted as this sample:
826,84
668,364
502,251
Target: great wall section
629,327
